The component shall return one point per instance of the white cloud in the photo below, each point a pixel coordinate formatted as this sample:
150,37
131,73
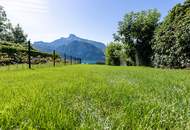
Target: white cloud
29,6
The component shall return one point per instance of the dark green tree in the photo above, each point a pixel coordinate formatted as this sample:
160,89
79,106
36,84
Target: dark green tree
18,34
172,39
136,30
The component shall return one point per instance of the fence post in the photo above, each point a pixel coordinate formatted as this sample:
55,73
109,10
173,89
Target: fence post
74,60
54,58
65,59
71,60
29,55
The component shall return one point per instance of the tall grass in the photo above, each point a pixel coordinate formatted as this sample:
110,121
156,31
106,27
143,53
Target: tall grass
95,97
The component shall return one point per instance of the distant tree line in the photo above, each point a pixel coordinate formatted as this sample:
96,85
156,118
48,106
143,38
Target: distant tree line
143,40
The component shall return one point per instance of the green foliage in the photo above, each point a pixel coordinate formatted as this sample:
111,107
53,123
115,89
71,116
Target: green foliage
137,30
11,53
8,32
118,54
86,97
5,26
3,19
113,53
13,44
172,39
19,36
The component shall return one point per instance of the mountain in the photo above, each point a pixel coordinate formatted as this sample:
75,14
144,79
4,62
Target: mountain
89,51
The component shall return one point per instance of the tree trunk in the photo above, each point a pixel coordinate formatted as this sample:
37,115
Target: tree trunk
137,58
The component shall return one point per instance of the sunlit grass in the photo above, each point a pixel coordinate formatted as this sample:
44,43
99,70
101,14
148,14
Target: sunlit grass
94,97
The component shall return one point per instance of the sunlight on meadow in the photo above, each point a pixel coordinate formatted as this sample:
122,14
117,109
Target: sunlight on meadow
94,64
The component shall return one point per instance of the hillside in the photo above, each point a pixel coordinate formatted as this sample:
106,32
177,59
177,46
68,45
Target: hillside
12,53
95,97
89,51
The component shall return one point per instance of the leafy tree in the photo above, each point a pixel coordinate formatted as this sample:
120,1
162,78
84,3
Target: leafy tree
18,34
172,39
113,53
118,54
8,32
3,19
136,31
5,26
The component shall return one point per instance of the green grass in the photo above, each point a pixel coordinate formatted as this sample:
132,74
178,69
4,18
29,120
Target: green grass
95,97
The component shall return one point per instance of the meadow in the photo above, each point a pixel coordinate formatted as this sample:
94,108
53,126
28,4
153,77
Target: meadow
94,97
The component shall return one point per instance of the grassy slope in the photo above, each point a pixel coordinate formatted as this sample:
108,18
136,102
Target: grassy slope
101,97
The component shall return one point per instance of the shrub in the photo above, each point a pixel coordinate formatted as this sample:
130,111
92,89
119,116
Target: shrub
113,53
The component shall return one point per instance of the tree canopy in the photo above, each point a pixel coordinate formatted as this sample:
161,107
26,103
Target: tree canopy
5,26
8,32
155,43
18,34
172,38
136,30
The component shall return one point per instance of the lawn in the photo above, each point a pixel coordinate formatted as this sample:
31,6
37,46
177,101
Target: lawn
94,97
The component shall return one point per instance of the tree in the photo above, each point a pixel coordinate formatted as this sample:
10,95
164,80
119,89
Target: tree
113,53
136,31
5,26
172,39
3,19
8,32
19,36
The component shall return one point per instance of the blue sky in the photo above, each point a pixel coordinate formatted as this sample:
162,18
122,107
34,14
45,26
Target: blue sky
48,20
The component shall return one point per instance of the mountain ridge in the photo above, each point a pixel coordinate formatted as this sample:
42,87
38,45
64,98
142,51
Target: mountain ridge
88,50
